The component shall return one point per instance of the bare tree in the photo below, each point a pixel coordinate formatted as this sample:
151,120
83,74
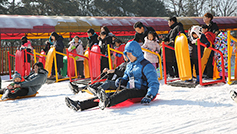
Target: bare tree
226,7
200,7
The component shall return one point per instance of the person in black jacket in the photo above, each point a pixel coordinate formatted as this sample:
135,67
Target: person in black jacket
59,46
176,27
104,40
108,84
92,37
142,31
212,26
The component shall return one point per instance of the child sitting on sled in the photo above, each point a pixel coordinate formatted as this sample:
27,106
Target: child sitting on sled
11,87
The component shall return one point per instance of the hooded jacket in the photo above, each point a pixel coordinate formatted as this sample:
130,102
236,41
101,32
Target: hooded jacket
135,69
34,81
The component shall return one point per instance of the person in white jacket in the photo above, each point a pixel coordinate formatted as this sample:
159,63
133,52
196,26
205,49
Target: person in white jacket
75,46
151,43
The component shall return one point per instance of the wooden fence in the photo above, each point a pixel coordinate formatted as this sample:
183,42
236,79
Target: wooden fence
4,67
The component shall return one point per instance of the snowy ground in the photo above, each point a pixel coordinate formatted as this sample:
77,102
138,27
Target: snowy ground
175,111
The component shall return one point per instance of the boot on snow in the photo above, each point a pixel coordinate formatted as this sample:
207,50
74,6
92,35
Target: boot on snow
233,95
75,105
104,100
75,89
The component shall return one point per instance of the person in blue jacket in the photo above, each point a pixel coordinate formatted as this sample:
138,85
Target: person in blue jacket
140,79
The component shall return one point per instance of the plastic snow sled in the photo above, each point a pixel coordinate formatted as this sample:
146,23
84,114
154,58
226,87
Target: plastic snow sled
183,57
49,60
19,97
128,102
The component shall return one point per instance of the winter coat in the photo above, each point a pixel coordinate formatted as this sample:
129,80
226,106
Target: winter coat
153,46
118,72
78,49
175,29
135,69
212,27
92,40
221,45
139,37
34,81
58,44
103,44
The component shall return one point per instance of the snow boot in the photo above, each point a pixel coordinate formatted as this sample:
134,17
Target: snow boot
104,100
233,95
75,105
5,95
74,88
92,90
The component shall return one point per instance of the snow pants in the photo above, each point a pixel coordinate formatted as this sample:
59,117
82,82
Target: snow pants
126,94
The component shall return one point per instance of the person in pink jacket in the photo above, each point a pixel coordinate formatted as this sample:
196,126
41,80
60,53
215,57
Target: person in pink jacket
151,43
77,48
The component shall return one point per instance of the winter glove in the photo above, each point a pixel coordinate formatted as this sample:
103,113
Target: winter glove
77,57
123,82
147,99
73,47
118,55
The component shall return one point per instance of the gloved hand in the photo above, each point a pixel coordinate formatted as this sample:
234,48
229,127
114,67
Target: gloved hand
147,99
123,82
77,57
73,47
118,55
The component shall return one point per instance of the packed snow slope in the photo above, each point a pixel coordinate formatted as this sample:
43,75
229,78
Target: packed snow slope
175,111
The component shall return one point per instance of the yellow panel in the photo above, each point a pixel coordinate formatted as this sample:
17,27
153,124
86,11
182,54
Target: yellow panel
46,35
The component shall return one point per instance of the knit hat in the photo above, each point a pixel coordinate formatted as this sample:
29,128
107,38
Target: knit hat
16,75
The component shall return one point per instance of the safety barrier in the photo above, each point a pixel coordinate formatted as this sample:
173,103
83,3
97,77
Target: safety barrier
69,65
160,64
164,62
200,65
229,38
90,66
25,56
56,69
109,55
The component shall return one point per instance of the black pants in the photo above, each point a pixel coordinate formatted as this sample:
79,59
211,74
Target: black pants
195,63
126,94
21,92
80,68
104,64
108,84
87,104
172,68
209,67
53,69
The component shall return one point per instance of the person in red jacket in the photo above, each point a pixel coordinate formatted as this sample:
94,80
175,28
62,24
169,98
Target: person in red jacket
211,38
